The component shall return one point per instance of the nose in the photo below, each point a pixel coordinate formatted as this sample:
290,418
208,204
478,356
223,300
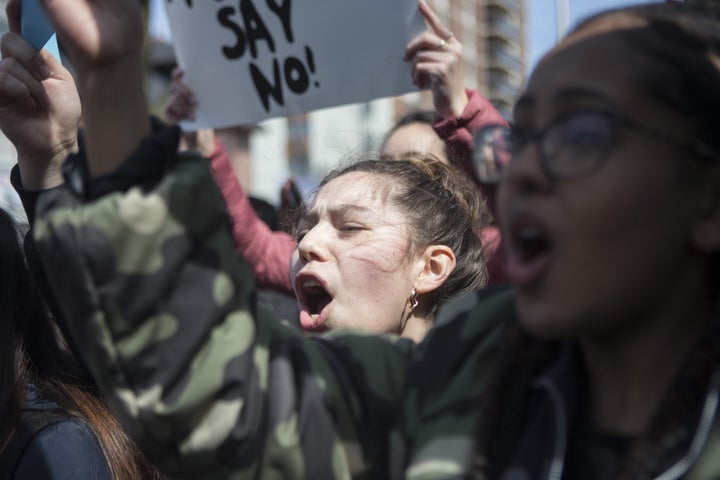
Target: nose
526,172
313,246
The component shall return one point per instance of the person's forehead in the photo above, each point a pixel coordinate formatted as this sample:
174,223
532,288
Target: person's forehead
598,66
359,186
415,127
414,137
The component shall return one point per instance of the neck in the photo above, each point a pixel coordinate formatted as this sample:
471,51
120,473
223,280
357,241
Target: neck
415,328
631,371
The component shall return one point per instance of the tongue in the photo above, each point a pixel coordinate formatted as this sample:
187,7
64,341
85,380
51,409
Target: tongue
315,316
522,269
308,321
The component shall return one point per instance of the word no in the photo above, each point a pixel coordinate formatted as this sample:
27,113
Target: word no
251,32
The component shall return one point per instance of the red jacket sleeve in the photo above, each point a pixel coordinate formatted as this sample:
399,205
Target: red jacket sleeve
268,252
457,132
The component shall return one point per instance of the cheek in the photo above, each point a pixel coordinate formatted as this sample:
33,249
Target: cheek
613,259
375,266
386,254
627,218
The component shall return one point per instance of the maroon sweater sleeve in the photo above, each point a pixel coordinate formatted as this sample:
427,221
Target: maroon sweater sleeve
268,252
457,132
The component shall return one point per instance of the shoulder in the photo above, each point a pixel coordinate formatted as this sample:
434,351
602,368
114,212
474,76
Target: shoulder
468,341
67,450
475,315
454,365
462,349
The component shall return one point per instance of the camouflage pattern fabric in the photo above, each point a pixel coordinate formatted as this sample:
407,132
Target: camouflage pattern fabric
212,386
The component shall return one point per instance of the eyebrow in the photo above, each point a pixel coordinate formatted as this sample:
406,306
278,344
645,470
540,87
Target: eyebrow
312,216
566,95
576,93
346,207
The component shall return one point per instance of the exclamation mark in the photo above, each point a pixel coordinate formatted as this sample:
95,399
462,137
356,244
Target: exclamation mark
311,63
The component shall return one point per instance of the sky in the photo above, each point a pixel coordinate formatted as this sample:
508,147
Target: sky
542,21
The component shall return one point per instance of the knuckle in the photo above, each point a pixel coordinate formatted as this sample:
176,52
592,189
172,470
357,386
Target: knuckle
7,64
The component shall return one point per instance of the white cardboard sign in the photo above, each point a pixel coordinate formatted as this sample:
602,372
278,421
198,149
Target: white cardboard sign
250,60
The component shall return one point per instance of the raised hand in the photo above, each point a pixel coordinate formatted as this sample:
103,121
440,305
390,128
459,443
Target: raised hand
39,110
181,102
438,64
104,41
181,106
97,33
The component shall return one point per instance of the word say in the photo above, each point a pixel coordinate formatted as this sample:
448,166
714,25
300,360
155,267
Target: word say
252,34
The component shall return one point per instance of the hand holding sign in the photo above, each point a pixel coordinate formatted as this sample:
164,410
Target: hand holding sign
39,111
438,64
180,106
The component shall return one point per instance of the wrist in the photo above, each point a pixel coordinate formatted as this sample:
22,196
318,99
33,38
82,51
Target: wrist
41,171
458,105
116,114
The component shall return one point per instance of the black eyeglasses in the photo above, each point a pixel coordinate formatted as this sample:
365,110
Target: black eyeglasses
571,147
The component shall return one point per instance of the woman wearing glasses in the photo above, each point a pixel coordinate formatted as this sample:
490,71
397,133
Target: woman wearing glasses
601,363
611,214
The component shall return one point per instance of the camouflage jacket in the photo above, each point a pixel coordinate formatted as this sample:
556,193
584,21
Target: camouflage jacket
212,386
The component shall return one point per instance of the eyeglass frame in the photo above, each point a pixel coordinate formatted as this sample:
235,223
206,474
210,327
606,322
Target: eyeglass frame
701,150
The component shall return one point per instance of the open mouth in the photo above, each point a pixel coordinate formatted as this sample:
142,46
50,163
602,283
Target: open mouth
314,300
529,253
529,243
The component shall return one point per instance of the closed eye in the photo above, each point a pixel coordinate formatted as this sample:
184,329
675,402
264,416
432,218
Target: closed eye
351,229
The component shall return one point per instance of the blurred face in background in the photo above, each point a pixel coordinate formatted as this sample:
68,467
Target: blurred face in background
414,138
595,221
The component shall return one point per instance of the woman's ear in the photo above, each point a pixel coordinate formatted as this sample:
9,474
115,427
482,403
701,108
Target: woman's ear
437,263
706,231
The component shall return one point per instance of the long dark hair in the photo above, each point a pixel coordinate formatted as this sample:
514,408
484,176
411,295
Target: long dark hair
32,351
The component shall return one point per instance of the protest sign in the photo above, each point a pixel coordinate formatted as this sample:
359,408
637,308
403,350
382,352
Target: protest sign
250,60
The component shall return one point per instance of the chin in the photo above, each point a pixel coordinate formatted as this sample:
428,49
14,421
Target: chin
544,322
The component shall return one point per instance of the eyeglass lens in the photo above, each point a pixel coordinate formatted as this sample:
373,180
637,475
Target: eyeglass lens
570,147
577,145
492,152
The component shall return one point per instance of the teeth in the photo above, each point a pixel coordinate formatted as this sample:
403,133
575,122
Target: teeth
311,284
314,316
